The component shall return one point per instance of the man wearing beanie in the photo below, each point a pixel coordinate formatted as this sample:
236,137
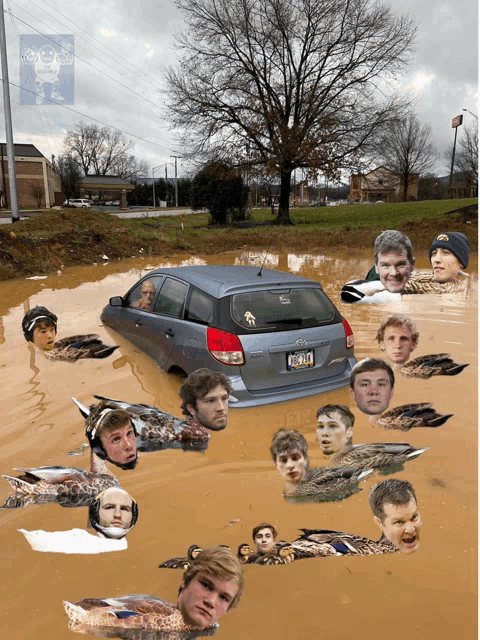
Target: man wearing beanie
449,254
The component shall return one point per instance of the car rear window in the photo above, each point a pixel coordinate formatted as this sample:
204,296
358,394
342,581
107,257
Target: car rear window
281,309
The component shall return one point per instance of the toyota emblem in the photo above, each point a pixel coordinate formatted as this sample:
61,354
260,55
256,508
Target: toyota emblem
301,342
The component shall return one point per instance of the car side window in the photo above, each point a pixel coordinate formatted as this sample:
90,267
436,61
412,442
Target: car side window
199,307
143,295
171,299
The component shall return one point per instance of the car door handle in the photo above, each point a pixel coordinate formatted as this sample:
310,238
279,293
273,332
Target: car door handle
138,323
169,333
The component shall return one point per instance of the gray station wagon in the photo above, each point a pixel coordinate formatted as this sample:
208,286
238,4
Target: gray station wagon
277,336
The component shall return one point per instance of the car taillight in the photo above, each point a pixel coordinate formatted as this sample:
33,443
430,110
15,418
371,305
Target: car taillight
348,334
225,347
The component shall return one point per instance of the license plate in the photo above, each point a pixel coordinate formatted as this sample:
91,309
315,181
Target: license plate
300,359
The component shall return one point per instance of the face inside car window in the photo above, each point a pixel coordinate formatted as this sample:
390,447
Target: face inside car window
282,309
143,295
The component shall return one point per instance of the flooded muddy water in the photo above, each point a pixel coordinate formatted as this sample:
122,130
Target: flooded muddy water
218,496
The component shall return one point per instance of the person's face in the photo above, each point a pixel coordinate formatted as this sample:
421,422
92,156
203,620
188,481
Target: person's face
148,292
119,444
332,434
44,336
394,270
205,599
115,510
401,525
291,466
397,344
211,410
264,541
445,265
372,391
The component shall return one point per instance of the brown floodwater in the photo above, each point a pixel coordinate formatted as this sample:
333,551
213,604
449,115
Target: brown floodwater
218,496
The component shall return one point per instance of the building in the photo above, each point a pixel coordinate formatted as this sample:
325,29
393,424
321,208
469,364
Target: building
111,187
381,184
37,178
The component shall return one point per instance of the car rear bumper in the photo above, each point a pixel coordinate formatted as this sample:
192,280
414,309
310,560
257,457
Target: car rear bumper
241,397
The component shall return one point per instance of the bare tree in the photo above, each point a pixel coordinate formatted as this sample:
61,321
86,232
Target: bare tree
129,168
37,191
466,155
406,150
69,174
300,81
97,149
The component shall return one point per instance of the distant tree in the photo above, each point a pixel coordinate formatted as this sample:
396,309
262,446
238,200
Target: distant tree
296,82
405,148
37,191
69,174
103,151
220,188
466,155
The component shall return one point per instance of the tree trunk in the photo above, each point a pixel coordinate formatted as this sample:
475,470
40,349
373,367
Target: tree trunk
284,204
405,187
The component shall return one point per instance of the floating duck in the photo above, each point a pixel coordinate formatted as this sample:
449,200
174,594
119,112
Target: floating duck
282,554
77,347
154,425
244,552
136,611
376,454
58,480
434,364
315,543
326,484
182,563
408,416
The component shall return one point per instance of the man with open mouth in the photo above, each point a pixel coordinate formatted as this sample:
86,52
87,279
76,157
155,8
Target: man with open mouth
395,512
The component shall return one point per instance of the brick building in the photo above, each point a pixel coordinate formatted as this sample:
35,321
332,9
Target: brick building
36,177
381,184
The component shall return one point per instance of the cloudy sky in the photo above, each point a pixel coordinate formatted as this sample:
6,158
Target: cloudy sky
120,46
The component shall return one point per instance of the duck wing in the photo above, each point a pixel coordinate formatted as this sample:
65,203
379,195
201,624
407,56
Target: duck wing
379,454
341,543
412,415
433,364
324,476
176,563
84,346
53,475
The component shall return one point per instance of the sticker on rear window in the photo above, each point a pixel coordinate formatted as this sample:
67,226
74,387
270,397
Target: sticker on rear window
249,317
284,300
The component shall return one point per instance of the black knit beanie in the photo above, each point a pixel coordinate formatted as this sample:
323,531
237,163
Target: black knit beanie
455,242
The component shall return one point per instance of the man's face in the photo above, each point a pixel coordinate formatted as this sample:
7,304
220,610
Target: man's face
372,391
205,599
401,525
115,509
291,466
44,336
264,541
394,270
445,265
148,292
211,410
119,444
397,344
332,434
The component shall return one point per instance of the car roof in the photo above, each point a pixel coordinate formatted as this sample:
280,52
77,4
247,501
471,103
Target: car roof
222,280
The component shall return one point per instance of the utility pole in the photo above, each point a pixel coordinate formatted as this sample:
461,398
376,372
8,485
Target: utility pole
456,122
12,181
176,180
153,176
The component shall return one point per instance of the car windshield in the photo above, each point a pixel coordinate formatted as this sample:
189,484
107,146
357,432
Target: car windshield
281,309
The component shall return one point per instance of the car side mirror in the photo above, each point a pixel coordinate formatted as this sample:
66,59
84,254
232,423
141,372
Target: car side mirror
116,301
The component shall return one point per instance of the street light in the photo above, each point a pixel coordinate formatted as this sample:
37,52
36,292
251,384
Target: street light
153,176
472,114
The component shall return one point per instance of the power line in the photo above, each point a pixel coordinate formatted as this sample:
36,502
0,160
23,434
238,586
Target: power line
136,69
77,56
84,115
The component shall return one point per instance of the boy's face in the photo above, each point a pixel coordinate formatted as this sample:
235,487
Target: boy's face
291,466
44,336
397,344
332,433
205,599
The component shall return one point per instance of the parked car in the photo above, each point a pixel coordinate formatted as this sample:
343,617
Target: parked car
112,203
276,335
77,202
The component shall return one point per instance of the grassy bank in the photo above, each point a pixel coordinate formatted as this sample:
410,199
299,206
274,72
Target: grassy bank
57,238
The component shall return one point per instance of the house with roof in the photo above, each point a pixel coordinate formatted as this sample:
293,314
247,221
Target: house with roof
37,178
381,184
